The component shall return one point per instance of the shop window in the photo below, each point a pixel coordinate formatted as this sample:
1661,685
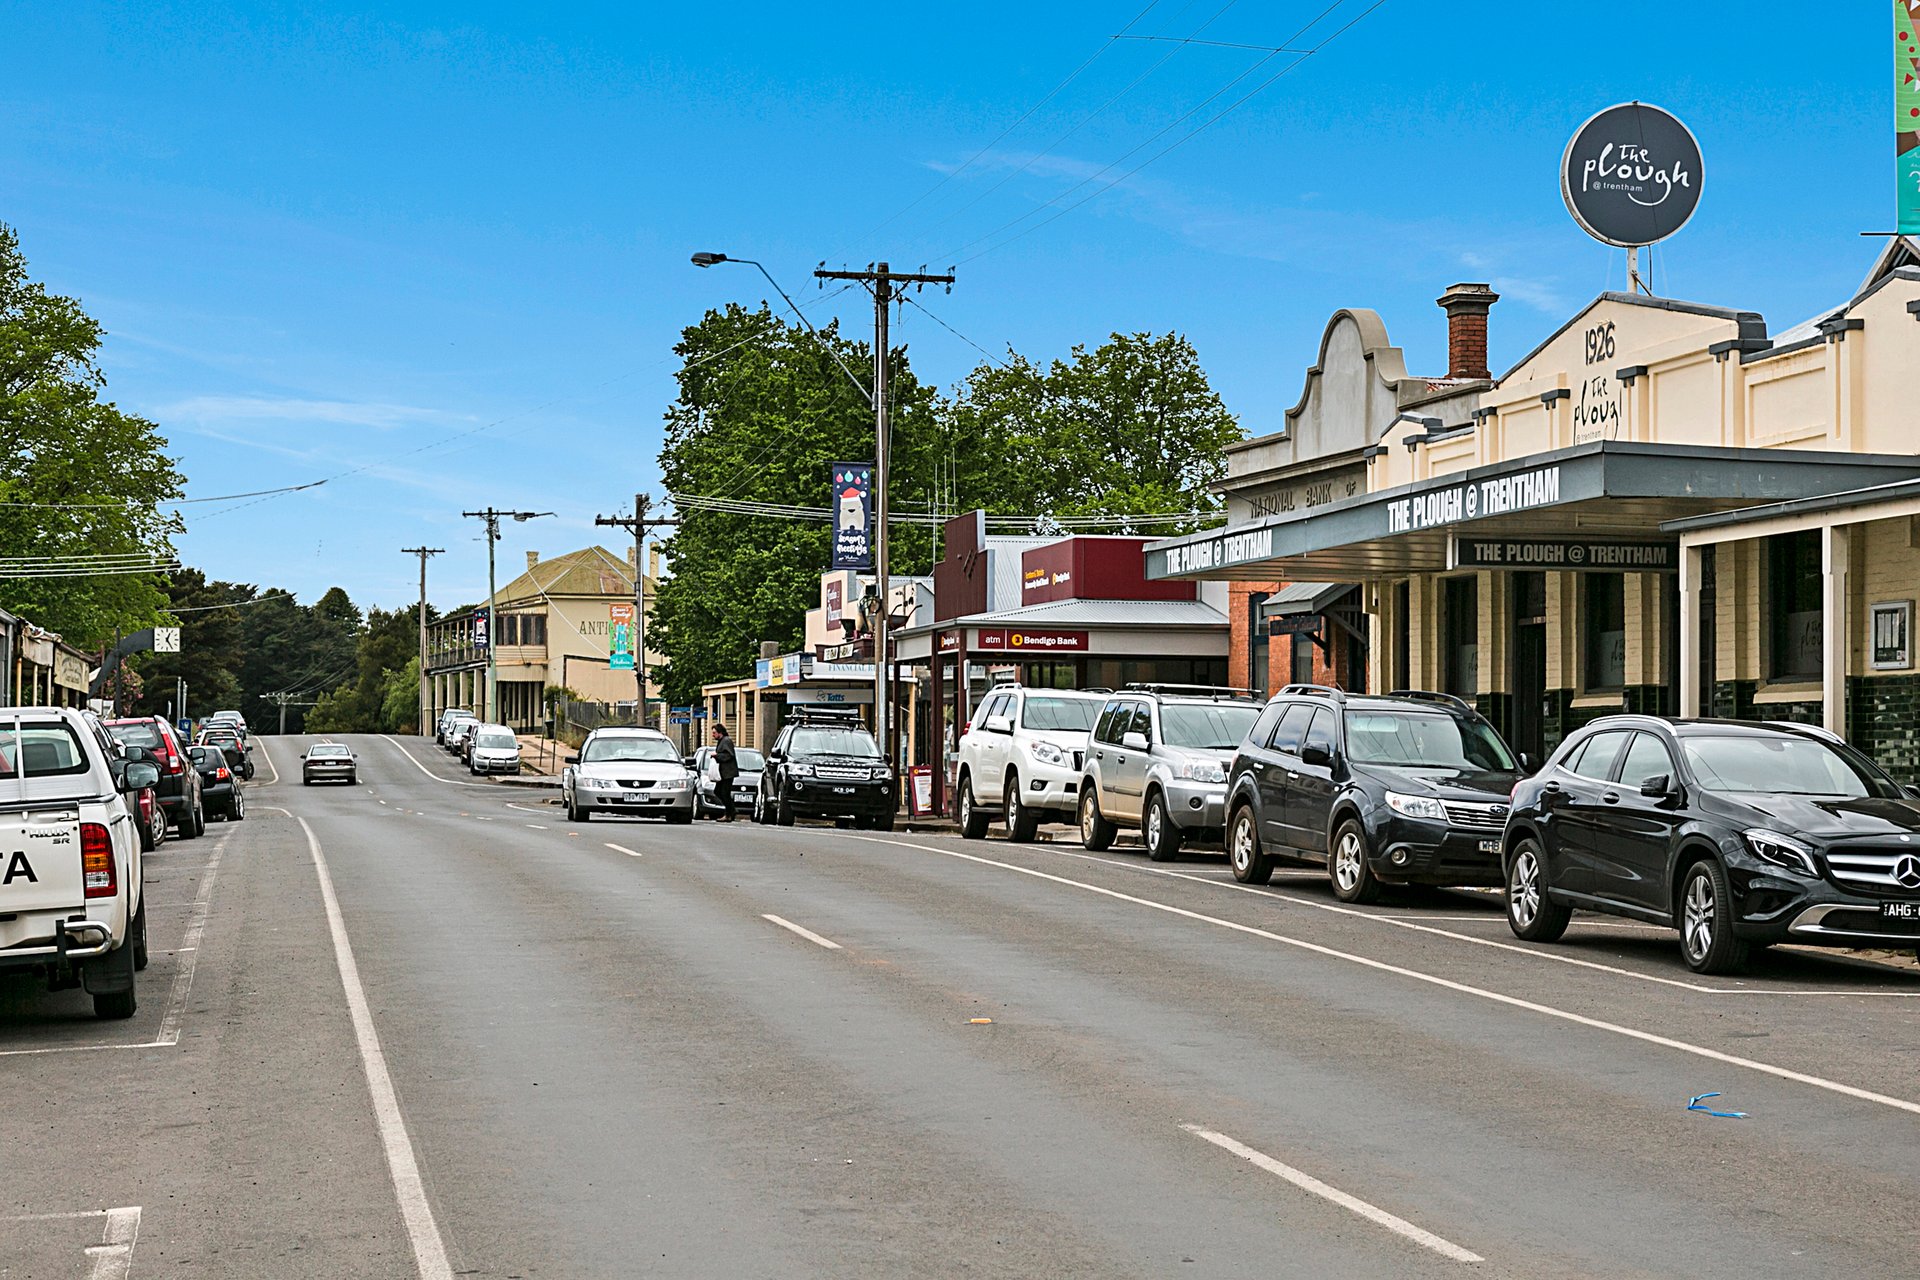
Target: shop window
1302,659
1460,616
1256,644
1605,641
1793,605
1402,635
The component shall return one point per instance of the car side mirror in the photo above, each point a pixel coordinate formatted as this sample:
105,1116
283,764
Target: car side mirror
1133,740
1314,753
1658,787
999,724
138,776
573,759
1912,792
1528,765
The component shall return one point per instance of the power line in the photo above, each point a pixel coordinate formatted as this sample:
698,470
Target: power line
121,504
236,604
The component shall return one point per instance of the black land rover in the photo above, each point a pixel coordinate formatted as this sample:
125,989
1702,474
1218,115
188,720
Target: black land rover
1405,788
825,764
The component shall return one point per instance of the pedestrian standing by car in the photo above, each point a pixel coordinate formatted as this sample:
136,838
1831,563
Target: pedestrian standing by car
729,769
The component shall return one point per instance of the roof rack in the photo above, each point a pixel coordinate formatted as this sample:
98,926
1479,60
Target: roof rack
807,711
1427,695
1215,691
1327,690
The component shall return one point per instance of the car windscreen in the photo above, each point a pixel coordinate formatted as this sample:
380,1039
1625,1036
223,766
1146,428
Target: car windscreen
1063,715
749,760
135,735
1213,726
603,750
1424,740
1753,764
326,749
496,739
46,750
823,741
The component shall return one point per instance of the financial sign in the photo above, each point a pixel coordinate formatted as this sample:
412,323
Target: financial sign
620,637
1632,175
1008,639
1578,555
851,501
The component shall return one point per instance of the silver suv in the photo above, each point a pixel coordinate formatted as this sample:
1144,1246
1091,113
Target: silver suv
1158,761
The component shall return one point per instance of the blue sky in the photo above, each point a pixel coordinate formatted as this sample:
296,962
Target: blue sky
449,244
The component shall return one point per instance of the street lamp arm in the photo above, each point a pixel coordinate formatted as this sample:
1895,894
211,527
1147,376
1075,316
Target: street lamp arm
712,259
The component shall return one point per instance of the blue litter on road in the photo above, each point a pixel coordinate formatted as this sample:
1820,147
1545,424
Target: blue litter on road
1694,1105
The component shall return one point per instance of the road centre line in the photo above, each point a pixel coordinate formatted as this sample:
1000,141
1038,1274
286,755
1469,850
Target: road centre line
1353,1204
808,934
1417,927
534,826
1448,984
403,1167
617,848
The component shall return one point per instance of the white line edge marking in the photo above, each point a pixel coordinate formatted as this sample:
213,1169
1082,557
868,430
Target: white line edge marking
1497,945
808,934
1515,1002
268,757
113,1256
618,848
452,782
1353,1204
190,945
429,1251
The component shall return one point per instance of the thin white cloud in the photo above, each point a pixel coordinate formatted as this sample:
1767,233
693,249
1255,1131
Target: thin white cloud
237,410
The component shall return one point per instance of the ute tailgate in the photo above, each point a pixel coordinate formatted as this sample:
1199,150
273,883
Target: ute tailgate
40,859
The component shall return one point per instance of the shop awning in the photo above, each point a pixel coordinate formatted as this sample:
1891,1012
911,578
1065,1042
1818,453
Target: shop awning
1605,490
1304,597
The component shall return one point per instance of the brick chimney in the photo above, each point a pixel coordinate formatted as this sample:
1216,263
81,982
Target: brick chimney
533,558
1466,306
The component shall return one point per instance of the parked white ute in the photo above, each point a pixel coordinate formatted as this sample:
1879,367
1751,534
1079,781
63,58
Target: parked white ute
1023,755
71,902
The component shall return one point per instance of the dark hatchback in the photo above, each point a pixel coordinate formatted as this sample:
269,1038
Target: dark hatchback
826,765
179,789
1739,835
220,788
1403,788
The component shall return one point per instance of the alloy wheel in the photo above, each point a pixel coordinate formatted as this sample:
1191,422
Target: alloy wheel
1346,862
1086,819
1153,826
1523,889
1241,850
1697,916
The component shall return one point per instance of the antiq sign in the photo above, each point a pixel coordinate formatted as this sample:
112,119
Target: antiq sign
1632,175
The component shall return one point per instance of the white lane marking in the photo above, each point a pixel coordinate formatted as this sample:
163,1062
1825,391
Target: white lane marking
268,757
113,1256
1381,966
619,848
429,1251
452,782
1352,1204
1414,925
534,826
190,946
808,934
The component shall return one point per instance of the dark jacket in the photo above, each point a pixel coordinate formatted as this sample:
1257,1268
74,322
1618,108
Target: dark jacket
723,752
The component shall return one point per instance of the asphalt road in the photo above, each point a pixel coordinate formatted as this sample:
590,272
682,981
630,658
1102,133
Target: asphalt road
426,1027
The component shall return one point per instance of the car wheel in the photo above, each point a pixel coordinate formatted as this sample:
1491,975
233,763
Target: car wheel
139,939
1353,880
1531,913
759,809
116,1005
236,807
1706,921
568,799
973,823
783,809
1250,865
1096,833
1022,823
1162,836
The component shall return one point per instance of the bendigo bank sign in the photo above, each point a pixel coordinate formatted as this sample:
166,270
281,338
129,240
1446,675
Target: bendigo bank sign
999,639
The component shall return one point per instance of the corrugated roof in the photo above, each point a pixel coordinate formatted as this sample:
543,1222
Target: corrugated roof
1104,613
591,571
1003,566
1304,597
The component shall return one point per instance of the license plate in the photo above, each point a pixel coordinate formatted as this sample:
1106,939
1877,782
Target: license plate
1900,911
1489,846
633,798
843,791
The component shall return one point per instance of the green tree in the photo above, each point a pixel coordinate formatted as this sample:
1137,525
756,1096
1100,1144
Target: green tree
212,646
400,709
60,443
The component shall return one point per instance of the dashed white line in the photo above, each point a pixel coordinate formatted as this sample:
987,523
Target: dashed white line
403,1167
1448,984
618,848
534,826
808,934
113,1256
1353,1204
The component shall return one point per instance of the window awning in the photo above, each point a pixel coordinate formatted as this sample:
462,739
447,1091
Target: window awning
1304,597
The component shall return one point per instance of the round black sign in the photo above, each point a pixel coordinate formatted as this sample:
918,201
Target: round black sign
1632,175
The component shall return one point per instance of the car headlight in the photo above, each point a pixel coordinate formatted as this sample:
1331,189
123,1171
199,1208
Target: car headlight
1047,753
1781,851
675,784
880,774
800,770
1417,806
1203,771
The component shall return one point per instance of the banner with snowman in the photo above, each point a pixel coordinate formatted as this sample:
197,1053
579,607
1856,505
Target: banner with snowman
852,506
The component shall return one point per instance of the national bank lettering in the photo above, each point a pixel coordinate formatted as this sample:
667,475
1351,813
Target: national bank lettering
1474,499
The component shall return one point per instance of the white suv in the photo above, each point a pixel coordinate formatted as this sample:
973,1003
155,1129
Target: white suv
1022,757
72,907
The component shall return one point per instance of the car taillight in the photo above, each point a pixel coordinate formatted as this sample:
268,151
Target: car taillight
173,759
222,775
96,860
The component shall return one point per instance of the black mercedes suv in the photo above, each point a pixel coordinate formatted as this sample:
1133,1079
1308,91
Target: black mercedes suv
1405,788
1737,834
825,764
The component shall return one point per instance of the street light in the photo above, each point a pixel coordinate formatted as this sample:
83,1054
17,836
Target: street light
1414,442
705,259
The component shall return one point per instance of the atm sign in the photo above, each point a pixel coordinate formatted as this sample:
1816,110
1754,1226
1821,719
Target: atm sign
1007,639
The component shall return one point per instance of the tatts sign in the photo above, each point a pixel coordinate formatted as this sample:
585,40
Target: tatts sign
852,505
997,640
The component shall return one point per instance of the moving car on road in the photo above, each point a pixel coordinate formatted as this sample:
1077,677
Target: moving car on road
631,771
1739,835
329,762
220,789
492,748
1023,755
179,790
72,901
1406,788
825,764
1157,760
707,784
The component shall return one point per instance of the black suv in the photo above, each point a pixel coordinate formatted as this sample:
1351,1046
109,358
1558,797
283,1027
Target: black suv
1737,834
1406,788
825,764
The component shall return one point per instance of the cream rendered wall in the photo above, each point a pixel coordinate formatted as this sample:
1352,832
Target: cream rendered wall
1684,401
1787,399
1888,355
